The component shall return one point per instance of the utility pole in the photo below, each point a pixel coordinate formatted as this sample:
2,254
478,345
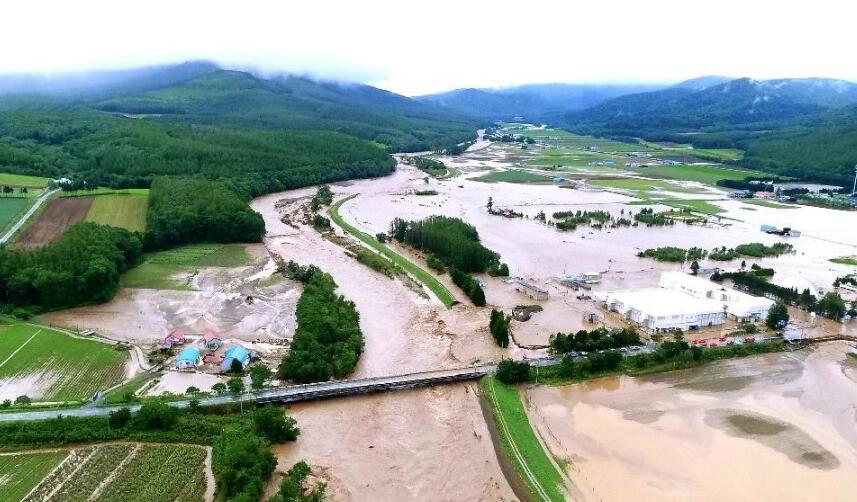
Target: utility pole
854,188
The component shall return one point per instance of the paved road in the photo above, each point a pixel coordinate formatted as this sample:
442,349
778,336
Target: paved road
42,198
296,393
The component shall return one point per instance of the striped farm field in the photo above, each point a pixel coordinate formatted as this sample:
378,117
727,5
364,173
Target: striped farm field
123,211
124,472
21,472
10,208
48,365
22,180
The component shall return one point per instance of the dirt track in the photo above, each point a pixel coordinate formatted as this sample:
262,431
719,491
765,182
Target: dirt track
58,215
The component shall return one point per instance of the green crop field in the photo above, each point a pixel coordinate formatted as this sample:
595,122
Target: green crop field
513,176
520,443
134,473
11,208
21,472
703,174
123,211
62,367
158,269
22,180
416,272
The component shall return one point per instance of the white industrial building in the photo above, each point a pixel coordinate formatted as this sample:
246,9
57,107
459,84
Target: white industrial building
684,302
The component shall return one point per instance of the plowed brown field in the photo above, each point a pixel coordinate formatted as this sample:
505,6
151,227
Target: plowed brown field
53,221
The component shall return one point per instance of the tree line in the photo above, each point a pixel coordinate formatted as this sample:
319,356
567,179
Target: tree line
328,340
187,210
82,267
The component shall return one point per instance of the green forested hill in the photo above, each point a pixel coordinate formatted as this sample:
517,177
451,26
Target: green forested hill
123,152
796,127
295,103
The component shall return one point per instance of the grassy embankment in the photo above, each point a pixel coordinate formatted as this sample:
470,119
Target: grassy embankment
66,368
159,269
435,286
520,443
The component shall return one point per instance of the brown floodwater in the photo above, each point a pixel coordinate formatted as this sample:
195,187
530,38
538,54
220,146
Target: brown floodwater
771,427
417,445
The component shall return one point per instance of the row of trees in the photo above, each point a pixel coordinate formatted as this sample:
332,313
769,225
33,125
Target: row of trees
592,341
82,267
499,327
328,340
469,285
187,210
451,240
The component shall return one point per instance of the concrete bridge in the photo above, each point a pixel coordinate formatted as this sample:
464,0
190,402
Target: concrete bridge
296,393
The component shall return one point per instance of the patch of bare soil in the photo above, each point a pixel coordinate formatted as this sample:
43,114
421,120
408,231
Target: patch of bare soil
57,216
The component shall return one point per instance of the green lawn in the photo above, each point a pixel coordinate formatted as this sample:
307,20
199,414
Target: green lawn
123,211
22,180
21,472
513,176
158,269
520,443
11,208
418,273
64,367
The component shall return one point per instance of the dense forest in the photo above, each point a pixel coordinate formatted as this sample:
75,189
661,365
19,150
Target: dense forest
328,340
81,267
239,99
187,210
451,240
121,153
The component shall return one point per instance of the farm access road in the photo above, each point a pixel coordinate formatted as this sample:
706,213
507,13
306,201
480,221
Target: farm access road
17,226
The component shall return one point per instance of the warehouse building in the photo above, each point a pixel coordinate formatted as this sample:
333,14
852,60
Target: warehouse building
684,302
235,353
187,358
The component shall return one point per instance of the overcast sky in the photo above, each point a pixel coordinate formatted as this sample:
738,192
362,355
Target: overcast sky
416,47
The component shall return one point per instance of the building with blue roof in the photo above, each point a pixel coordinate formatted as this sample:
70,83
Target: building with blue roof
187,358
235,353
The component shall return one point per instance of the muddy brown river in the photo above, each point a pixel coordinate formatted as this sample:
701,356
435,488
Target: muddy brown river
774,427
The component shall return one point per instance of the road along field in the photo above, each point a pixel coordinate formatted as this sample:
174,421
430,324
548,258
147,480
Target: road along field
10,208
116,472
58,215
21,472
48,365
123,211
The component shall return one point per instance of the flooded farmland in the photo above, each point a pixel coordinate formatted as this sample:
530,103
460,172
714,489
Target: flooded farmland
772,427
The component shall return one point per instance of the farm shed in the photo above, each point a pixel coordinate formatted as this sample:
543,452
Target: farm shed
212,340
187,358
235,353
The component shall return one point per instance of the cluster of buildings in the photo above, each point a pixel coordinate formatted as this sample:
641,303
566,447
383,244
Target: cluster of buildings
205,350
685,302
